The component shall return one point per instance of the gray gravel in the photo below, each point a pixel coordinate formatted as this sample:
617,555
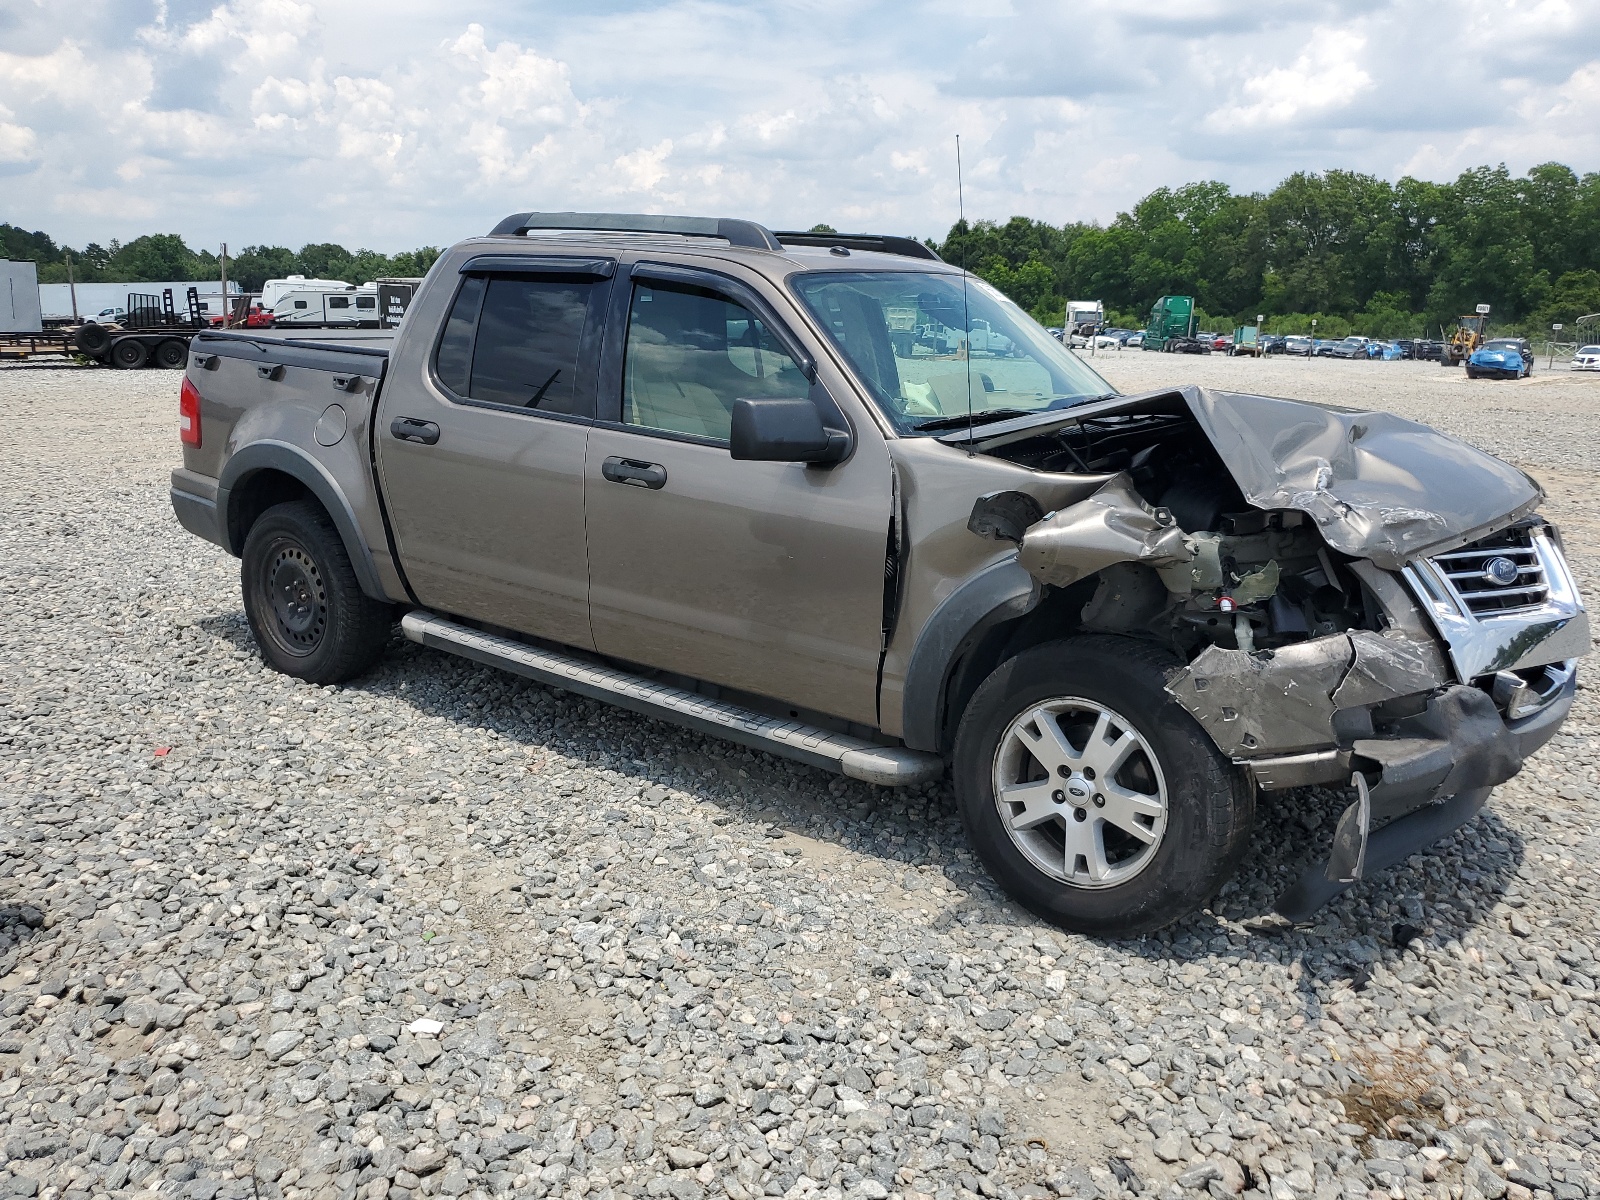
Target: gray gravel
446,933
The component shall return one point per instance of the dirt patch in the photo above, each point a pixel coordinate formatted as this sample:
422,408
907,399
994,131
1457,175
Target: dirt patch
1391,1088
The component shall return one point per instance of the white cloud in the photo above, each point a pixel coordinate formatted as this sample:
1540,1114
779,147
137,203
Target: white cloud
394,122
1327,76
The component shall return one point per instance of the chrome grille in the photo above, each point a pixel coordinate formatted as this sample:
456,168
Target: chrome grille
1467,569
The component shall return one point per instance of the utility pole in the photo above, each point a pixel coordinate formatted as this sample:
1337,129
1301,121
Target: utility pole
227,309
72,287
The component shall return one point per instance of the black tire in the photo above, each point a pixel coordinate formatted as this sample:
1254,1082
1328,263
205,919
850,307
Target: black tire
172,354
1209,810
309,616
93,340
129,353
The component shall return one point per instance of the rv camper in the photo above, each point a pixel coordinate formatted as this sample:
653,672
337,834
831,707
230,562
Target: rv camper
322,308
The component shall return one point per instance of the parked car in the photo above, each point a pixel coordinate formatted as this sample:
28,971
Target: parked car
1272,343
255,317
1353,346
1296,344
1134,340
1323,348
1501,358
1100,656
1429,349
1586,359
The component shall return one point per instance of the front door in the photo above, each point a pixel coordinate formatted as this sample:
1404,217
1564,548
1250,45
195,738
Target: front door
482,459
761,576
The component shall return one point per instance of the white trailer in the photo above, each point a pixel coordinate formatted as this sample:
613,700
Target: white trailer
107,302
274,290
19,298
318,308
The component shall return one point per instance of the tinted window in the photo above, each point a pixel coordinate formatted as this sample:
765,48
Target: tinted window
691,353
338,301
366,302
299,303
453,361
526,352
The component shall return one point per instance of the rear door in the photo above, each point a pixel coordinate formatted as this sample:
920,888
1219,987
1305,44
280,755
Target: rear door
761,576
482,458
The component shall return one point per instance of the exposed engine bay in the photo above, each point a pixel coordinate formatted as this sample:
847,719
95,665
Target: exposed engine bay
1180,554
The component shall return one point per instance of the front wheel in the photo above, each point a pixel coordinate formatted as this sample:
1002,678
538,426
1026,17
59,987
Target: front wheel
307,611
1094,800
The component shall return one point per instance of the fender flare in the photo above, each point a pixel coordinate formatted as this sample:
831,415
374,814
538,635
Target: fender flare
296,463
999,592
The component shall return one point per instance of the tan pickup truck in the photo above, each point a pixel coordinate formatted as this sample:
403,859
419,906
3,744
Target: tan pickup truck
774,486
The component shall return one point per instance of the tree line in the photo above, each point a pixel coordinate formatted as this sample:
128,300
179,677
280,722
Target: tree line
163,256
1353,252
1357,253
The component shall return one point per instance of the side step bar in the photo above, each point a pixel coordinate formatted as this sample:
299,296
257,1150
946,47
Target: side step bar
892,766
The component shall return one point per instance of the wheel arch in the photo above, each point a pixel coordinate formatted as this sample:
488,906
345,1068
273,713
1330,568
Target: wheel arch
995,615
267,473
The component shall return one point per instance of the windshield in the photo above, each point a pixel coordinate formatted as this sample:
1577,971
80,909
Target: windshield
926,351
1504,345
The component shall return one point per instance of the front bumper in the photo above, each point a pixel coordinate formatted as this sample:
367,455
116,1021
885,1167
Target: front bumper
1432,779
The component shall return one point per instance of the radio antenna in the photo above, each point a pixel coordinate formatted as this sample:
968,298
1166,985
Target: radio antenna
966,312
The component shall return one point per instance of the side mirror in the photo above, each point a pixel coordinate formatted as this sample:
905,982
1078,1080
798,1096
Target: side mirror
773,429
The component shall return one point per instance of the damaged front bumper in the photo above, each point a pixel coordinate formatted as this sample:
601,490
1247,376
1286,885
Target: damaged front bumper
1421,722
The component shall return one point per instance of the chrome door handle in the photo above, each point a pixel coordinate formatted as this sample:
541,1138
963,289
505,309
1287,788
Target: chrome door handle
635,473
409,429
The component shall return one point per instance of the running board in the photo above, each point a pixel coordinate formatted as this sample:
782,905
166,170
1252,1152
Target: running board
892,766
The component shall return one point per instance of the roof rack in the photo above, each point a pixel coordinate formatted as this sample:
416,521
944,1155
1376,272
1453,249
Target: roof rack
732,230
879,242
735,232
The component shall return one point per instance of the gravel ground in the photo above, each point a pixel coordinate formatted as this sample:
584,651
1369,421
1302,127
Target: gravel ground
446,933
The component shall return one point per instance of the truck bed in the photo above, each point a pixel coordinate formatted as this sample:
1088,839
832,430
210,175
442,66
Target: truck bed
302,408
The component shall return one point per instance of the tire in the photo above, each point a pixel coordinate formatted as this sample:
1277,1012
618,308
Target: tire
308,614
129,353
1471,374
93,340
1196,820
172,354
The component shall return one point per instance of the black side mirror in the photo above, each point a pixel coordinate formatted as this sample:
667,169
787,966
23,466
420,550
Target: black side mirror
773,429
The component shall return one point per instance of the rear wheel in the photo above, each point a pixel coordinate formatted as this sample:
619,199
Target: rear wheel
307,611
1091,796
172,354
129,353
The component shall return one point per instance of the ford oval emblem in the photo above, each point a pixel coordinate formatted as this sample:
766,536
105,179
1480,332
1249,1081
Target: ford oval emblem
1501,571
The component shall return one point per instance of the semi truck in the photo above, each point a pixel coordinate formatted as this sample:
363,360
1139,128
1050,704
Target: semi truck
1171,327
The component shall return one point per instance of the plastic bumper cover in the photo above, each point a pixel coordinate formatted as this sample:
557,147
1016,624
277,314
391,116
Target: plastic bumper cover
1429,780
194,501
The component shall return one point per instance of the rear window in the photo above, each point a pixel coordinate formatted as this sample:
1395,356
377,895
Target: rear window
514,341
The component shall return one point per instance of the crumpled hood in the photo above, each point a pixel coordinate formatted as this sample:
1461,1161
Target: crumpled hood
1378,486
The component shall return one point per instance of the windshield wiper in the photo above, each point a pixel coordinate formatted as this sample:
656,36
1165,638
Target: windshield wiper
981,417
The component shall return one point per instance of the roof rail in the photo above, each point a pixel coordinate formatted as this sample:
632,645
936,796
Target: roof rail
880,242
734,231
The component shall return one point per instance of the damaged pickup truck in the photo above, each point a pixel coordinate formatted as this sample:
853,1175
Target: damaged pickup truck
722,477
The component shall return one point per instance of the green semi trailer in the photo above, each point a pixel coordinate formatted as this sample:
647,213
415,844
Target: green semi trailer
1171,325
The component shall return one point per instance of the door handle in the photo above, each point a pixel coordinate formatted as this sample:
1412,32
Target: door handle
634,473
409,429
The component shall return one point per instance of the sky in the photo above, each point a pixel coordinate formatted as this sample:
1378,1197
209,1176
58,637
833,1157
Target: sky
389,124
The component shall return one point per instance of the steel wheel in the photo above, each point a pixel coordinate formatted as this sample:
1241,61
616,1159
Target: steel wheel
1080,792
299,599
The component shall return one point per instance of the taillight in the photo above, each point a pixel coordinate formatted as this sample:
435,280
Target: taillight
189,414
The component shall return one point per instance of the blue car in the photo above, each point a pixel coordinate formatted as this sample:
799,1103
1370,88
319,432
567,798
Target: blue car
1503,358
